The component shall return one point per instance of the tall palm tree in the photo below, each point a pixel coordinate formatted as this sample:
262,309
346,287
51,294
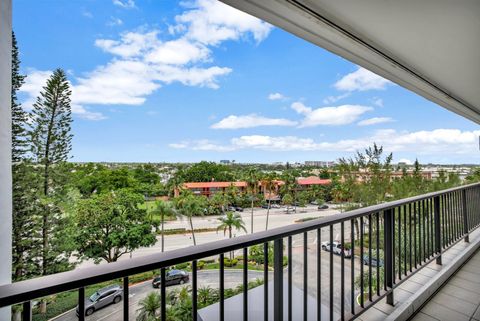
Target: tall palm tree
164,208
149,307
228,222
252,188
190,205
268,183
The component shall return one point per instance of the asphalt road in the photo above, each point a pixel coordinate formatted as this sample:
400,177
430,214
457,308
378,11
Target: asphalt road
114,312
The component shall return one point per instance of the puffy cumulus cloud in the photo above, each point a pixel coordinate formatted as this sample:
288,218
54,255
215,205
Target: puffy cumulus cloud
211,22
434,142
361,80
406,161
333,116
142,62
375,121
127,4
250,121
34,84
276,96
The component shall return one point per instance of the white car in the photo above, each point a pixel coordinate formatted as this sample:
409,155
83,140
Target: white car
336,247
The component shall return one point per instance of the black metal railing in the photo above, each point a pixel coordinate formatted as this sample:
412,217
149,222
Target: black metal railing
379,247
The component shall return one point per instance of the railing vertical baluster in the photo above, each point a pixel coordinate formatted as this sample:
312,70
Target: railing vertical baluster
399,216
450,219
415,228
81,305
222,287
352,268
319,274
459,217
305,275
405,239
265,281
126,298
331,272
465,217
377,240
245,284
442,218
289,276
27,308
194,290
438,237
342,268
388,248
361,262
429,232
278,280
410,236
424,238
370,257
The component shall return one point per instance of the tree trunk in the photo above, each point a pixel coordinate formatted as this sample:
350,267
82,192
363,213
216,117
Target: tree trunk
251,217
193,232
163,237
230,236
268,213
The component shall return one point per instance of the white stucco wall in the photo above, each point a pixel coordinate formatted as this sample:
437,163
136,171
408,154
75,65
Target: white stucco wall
5,148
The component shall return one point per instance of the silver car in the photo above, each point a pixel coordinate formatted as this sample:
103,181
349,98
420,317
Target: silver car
103,297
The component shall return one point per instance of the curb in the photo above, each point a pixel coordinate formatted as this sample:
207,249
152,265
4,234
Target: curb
408,309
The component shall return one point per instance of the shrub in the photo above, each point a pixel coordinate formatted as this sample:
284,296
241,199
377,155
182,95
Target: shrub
200,264
182,266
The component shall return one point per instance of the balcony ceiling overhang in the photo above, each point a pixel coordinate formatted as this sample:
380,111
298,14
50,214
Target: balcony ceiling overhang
431,47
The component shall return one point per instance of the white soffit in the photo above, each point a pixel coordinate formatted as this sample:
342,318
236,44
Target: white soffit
431,47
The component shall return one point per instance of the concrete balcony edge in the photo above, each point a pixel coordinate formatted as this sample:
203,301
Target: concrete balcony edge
408,308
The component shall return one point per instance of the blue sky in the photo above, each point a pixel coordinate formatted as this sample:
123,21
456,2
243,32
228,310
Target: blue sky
197,80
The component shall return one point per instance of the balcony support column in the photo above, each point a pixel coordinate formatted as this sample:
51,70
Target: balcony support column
5,148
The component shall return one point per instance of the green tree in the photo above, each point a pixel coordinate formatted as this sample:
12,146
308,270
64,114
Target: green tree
190,205
268,183
111,224
205,172
287,200
252,178
229,221
51,144
149,307
19,116
164,208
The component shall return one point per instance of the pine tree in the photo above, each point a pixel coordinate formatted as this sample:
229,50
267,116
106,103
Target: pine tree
24,191
19,116
51,144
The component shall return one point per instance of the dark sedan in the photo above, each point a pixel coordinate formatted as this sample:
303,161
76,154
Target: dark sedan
172,277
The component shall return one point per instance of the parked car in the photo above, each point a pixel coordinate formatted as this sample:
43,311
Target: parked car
231,209
366,261
172,277
337,248
103,297
265,206
238,209
274,206
289,209
323,207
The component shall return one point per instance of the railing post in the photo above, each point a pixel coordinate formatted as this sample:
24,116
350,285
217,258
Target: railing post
27,311
278,280
389,244
465,216
438,236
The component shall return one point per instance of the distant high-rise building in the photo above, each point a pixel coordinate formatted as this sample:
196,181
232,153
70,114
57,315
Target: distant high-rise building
319,163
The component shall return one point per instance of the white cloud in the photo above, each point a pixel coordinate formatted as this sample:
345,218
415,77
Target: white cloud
127,4
434,142
34,83
276,96
375,121
143,62
333,99
377,101
361,80
210,22
113,22
405,160
341,115
250,121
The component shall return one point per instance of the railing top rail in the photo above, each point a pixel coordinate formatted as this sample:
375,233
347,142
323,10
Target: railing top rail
30,289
